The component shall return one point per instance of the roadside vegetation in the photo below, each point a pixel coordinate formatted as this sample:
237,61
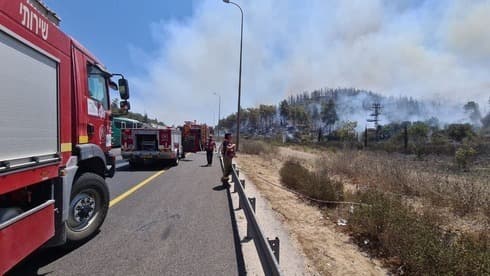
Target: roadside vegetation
433,181
423,217
257,147
314,184
420,184
427,215
416,243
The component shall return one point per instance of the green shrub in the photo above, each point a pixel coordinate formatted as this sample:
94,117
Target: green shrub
294,175
458,132
317,185
321,186
464,156
418,133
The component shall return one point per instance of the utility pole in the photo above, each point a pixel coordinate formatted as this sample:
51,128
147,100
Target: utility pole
219,112
239,76
366,137
376,107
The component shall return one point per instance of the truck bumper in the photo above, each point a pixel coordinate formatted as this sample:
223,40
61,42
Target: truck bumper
148,155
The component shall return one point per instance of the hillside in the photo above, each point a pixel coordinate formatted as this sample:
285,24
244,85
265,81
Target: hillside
329,108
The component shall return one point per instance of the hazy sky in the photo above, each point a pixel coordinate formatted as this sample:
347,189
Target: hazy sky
177,53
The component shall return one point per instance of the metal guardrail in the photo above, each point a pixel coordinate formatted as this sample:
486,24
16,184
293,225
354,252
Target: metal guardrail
267,250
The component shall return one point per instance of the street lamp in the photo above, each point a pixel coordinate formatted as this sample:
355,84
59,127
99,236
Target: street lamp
219,110
239,77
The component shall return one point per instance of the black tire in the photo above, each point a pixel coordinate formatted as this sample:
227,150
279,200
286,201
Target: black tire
175,162
135,164
8,213
89,203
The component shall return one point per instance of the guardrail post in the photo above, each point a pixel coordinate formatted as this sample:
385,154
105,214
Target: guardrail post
252,202
249,231
275,245
242,181
237,172
234,166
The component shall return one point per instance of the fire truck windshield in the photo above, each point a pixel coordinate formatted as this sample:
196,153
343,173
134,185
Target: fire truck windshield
97,85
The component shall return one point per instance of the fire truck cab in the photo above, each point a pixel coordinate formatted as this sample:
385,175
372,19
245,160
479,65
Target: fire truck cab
55,133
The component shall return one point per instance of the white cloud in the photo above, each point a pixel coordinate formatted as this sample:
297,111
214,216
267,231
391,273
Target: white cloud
415,48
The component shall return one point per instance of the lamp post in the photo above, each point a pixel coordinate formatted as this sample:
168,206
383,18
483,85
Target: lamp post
239,77
219,111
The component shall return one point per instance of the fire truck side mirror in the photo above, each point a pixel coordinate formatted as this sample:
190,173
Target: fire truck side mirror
123,88
124,106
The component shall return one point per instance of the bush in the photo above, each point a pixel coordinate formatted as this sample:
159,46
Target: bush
293,175
257,147
317,185
418,133
390,229
321,186
464,156
458,132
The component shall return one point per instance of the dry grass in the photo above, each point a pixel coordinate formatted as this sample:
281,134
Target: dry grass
257,147
423,216
404,220
329,251
429,180
415,243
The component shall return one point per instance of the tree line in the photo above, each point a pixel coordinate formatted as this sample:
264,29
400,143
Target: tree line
117,112
331,111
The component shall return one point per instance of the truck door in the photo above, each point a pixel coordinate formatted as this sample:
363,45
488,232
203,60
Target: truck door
93,109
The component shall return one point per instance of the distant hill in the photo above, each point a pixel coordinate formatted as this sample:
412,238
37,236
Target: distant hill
330,108
356,105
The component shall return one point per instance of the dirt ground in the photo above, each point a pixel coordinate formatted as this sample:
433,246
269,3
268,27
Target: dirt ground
328,249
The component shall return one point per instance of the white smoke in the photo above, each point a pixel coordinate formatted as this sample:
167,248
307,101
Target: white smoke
423,49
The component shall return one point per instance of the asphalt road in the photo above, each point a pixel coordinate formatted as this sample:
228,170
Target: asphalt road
179,223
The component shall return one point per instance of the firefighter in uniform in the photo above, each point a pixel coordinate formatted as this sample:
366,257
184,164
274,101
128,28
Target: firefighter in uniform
210,147
228,152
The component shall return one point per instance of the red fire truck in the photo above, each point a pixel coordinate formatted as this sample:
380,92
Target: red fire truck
55,133
194,136
158,144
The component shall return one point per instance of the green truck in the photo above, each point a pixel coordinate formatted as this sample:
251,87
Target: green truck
117,124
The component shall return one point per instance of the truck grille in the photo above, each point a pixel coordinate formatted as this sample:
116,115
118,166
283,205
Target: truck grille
146,142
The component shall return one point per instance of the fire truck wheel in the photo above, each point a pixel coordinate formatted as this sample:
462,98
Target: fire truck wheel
134,164
89,203
175,162
8,213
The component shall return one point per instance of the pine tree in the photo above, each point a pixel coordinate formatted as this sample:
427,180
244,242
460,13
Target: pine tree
329,114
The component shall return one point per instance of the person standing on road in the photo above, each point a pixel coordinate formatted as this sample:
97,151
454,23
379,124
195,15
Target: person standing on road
228,152
210,147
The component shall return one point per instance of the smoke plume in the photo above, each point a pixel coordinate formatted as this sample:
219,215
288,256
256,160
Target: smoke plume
423,49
